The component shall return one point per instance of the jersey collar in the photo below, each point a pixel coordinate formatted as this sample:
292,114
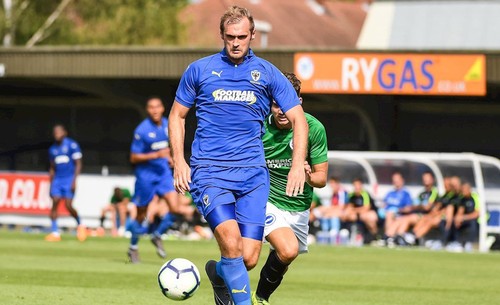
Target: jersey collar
224,57
154,124
64,140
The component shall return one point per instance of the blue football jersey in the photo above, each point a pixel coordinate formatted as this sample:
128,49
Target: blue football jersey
398,198
232,102
63,157
149,137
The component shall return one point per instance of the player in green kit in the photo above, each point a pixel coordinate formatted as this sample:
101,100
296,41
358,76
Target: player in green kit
287,217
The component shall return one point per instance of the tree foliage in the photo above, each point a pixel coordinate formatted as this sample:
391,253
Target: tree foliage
103,22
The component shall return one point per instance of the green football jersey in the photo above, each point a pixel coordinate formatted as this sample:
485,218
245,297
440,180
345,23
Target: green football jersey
278,148
126,194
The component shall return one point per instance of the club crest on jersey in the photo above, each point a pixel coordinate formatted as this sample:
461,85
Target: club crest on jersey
255,75
205,200
270,219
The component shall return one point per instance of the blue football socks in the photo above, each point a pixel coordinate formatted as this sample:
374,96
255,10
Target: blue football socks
165,223
235,275
54,227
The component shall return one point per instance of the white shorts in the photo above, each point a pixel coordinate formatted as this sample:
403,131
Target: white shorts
297,221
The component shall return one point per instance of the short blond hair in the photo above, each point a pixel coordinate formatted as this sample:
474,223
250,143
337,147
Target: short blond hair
234,14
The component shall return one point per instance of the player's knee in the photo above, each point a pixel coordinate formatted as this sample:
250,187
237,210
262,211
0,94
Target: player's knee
288,254
141,213
231,246
251,260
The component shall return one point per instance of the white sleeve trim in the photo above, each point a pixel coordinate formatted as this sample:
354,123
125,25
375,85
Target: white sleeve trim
76,155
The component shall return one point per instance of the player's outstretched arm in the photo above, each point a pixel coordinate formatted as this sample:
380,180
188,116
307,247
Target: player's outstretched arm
297,176
145,157
176,131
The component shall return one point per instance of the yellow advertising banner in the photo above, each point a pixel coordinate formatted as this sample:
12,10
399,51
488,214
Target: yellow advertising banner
381,73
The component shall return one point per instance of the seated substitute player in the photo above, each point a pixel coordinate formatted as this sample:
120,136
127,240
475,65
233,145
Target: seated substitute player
118,206
421,207
467,216
359,207
150,155
331,214
397,202
438,213
65,165
287,218
228,179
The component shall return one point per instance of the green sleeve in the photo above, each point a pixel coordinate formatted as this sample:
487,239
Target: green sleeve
315,198
126,193
351,198
366,198
434,195
318,147
475,197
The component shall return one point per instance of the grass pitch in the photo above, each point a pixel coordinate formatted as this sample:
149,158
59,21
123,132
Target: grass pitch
33,271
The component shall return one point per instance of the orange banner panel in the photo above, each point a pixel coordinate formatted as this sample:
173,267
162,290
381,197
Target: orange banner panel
407,74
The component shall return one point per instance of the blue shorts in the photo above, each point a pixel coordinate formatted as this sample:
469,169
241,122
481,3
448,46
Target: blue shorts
61,188
392,208
145,190
239,193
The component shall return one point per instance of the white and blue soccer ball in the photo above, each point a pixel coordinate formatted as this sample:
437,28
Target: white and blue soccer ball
179,279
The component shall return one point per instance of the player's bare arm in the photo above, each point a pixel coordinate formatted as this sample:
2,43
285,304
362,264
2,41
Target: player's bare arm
78,170
297,176
52,167
176,130
316,177
140,158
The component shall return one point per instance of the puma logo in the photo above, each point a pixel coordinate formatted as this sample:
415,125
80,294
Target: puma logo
239,290
218,74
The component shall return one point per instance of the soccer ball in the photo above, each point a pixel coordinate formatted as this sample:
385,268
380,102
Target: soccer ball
178,279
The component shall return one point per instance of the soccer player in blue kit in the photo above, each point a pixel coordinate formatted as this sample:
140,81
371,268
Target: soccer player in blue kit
65,165
228,179
150,155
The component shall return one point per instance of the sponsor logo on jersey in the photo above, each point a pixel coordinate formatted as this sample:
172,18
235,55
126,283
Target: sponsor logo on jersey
270,219
61,159
221,95
279,163
152,135
159,145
